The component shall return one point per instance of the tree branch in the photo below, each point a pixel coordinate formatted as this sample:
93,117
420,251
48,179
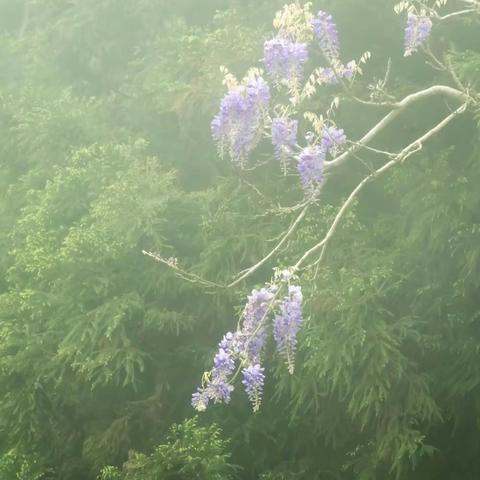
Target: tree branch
400,157
407,151
289,232
460,12
398,108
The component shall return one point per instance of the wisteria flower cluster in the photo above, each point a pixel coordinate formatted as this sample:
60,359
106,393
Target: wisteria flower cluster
242,350
417,32
326,33
332,76
284,60
244,111
237,127
286,325
312,158
284,136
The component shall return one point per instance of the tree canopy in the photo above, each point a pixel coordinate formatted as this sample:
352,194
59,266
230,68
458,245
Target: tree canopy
105,113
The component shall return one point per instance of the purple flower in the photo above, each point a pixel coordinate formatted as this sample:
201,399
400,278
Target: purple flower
200,400
311,159
287,323
326,76
330,76
223,364
284,136
227,342
219,391
416,32
253,333
284,60
349,69
325,32
257,305
310,166
246,345
253,379
332,137
236,128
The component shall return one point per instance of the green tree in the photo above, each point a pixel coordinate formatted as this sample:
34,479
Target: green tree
190,452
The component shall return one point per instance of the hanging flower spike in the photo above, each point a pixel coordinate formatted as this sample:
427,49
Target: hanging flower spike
284,136
416,32
227,343
253,334
332,138
218,387
219,390
223,364
200,400
287,324
326,34
253,379
310,166
246,346
284,60
236,128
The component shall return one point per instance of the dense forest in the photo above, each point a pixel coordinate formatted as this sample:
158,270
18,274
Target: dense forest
131,240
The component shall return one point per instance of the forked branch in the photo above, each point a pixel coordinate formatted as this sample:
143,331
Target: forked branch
400,157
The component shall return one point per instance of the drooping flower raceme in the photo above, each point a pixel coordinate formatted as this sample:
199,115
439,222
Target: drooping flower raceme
310,166
237,127
253,334
284,60
253,379
218,388
245,346
332,138
416,32
331,76
286,325
326,34
284,136
312,158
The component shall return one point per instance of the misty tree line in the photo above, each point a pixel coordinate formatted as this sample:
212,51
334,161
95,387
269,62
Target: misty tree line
107,151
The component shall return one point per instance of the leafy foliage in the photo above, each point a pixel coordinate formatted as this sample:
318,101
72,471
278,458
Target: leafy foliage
17,467
105,109
190,452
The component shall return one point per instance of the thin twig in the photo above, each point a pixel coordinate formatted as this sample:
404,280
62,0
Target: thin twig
272,252
372,103
454,14
183,274
371,149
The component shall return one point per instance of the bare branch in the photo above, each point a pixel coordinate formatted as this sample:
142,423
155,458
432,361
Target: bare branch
376,104
460,12
400,157
183,274
277,247
398,108
386,120
192,278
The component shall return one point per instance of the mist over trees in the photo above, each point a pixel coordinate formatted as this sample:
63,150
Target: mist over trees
107,152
